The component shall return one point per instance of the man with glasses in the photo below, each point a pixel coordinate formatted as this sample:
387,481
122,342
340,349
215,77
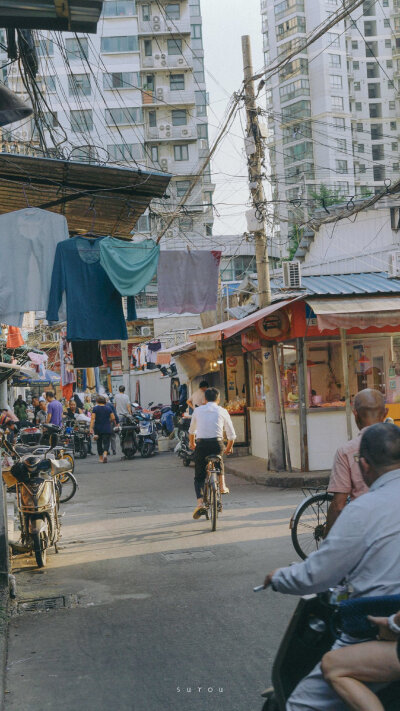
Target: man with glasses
346,480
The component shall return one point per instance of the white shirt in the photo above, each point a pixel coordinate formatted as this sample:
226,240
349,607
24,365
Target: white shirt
198,398
210,420
363,545
121,404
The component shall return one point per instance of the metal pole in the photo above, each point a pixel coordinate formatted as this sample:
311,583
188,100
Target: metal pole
345,365
273,422
282,409
301,377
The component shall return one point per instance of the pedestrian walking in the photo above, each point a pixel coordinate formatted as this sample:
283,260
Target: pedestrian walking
101,426
122,404
54,410
113,436
20,409
363,547
206,434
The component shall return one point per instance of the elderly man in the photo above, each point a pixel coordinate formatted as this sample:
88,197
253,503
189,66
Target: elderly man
346,479
363,547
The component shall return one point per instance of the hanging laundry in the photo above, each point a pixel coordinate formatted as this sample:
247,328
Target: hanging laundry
87,354
37,358
28,241
67,391
91,382
152,349
66,360
188,281
94,306
14,337
97,379
130,266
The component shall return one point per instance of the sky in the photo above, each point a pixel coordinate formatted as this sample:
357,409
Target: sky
224,23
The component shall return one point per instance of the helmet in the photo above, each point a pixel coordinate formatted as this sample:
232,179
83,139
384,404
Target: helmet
32,463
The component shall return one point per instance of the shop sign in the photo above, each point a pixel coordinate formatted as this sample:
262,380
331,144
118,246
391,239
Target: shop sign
231,361
275,326
116,365
251,341
267,355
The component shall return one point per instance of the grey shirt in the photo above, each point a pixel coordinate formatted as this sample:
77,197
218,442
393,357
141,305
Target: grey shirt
363,546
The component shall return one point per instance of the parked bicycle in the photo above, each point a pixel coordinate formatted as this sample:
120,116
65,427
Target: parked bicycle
309,521
212,494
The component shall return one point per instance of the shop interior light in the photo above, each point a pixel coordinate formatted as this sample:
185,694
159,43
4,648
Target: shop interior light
220,361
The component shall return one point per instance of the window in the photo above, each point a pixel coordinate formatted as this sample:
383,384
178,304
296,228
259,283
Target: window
81,120
125,151
386,23
294,89
181,153
45,48
148,48
146,13
337,102
122,43
154,154
356,65
333,39
202,130
393,126
120,80
361,168
354,45
196,32
50,84
152,119
79,84
385,3
392,105
360,148
395,167
299,110
341,166
50,118
174,46
182,186
173,11
77,48
358,106
201,103
198,69
389,63
290,27
390,84
395,146
357,86
85,154
124,116
372,70
177,82
360,127
179,117
194,6
376,131
334,60
119,8
148,84
335,81
341,144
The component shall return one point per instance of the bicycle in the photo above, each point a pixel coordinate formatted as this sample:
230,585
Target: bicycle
309,521
212,494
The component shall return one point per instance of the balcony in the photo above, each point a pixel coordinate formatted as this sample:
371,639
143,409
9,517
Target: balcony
159,26
162,96
166,132
179,167
162,61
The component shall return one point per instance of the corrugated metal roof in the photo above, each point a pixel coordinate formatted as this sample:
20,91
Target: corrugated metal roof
107,200
344,284
77,16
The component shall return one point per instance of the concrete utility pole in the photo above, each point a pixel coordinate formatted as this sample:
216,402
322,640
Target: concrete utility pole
256,159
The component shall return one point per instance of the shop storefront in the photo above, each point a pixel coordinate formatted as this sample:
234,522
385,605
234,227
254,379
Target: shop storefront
326,349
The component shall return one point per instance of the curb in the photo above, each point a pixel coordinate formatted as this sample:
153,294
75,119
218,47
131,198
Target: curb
281,480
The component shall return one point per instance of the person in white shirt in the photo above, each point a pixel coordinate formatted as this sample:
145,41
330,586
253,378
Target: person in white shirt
206,434
198,398
122,404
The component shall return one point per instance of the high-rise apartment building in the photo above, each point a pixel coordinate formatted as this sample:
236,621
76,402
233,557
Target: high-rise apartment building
334,112
134,93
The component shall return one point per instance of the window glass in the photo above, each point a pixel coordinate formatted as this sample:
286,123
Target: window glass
119,8
50,84
45,48
124,116
122,43
120,80
174,46
146,12
202,130
125,151
182,186
179,117
152,119
181,152
81,120
77,48
173,11
79,84
154,154
177,82
196,32
148,48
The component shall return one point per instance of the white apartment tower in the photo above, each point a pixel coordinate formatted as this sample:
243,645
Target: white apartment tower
134,93
334,112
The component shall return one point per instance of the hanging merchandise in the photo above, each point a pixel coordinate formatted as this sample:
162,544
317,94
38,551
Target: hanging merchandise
94,306
28,241
152,349
130,266
87,354
97,379
14,337
66,360
67,391
188,281
91,382
37,358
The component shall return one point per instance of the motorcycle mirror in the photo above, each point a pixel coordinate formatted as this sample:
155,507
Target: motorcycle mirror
135,404
53,440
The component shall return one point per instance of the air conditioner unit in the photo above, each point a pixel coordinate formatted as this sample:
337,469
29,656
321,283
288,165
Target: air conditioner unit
167,126
163,56
160,94
164,163
162,127
394,265
157,56
291,275
156,27
145,331
156,19
169,233
181,60
185,132
163,63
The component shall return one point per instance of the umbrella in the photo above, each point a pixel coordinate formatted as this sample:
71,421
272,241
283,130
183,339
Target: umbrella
49,378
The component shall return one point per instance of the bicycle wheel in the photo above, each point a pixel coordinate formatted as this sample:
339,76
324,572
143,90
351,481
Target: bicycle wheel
308,525
68,486
213,505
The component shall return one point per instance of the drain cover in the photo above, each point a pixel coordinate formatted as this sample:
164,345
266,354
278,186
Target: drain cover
43,604
187,555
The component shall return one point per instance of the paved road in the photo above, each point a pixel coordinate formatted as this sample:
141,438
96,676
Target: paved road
157,604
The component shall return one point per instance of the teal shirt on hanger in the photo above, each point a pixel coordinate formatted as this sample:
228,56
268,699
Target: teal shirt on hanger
130,266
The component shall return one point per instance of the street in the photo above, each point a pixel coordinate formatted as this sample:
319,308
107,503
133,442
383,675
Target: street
159,612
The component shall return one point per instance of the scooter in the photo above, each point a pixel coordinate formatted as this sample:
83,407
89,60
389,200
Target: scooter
308,637
182,448
37,501
128,435
147,437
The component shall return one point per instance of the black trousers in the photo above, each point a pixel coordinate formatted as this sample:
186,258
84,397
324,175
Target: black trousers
204,448
103,443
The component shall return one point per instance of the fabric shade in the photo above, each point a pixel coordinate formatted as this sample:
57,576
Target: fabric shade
164,356
362,312
234,326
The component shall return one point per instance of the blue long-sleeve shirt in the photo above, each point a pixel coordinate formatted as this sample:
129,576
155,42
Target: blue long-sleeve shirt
94,306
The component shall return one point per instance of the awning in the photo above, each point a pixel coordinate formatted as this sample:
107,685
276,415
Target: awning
362,312
164,356
227,329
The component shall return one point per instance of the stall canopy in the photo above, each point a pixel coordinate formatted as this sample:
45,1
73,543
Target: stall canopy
65,15
227,329
164,356
362,312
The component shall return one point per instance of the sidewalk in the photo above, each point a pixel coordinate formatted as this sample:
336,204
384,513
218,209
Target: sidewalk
254,469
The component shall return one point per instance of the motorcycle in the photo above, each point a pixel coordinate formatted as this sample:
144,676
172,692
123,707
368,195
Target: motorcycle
182,448
81,440
59,451
147,436
308,637
38,501
129,430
